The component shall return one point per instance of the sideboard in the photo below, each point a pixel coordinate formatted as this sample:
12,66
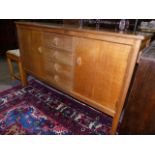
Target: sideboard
94,66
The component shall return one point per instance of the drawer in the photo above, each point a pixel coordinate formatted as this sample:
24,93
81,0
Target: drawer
51,40
60,56
56,68
60,81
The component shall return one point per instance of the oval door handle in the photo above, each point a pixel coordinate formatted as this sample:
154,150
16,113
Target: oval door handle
40,50
79,61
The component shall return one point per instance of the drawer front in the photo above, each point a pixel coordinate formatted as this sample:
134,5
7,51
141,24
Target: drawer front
60,81
64,42
56,68
59,56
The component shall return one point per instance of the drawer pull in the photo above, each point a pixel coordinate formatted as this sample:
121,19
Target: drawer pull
39,50
79,61
57,67
55,42
56,78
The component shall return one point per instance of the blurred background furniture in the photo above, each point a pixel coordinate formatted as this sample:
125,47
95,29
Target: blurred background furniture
8,34
139,113
14,55
8,38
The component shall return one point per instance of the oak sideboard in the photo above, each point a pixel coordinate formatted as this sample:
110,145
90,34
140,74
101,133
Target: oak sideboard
94,66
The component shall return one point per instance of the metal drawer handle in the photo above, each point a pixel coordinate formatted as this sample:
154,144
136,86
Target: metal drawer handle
79,61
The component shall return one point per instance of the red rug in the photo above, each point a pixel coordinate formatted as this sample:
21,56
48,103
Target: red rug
40,109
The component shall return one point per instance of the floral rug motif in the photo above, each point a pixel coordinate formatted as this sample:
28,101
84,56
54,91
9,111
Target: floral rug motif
38,109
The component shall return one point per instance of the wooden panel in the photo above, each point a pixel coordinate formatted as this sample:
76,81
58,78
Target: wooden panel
100,71
111,64
25,47
36,55
30,47
86,52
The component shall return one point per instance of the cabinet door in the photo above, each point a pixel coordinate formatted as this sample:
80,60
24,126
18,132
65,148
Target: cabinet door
86,52
100,72
31,50
111,65
24,36
37,54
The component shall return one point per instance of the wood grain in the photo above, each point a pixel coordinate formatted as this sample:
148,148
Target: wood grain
95,67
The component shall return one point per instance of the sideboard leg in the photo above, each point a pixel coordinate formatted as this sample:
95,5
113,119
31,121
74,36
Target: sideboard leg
22,75
115,124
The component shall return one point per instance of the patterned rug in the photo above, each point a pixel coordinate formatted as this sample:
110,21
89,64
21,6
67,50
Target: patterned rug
38,109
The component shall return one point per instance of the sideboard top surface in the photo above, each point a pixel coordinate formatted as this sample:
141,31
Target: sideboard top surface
90,30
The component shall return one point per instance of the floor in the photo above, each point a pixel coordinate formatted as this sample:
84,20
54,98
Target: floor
5,80
24,113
